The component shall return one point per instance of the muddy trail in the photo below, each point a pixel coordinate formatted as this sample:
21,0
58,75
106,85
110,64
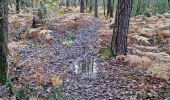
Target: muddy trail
74,56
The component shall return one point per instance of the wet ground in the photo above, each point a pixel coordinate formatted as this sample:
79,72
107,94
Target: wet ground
74,56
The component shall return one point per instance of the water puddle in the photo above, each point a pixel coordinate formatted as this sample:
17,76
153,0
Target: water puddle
86,65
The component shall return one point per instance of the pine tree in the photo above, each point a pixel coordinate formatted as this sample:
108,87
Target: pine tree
17,6
109,8
82,6
95,8
3,40
120,30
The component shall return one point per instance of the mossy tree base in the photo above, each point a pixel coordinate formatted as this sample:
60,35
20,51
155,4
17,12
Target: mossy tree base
121,26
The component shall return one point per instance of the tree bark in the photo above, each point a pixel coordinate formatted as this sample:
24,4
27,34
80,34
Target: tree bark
109,8
67,3
85,5
75,3
82,6
95,8
120,30
17,6
3,40
40,15
138,9
104,5
113,4
90,6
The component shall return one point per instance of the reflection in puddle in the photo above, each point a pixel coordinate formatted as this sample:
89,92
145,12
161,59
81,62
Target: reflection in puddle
87,65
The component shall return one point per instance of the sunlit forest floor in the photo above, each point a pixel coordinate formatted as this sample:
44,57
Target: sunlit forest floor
69,59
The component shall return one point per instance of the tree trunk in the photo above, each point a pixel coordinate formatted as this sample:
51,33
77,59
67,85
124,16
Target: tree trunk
17,6
85,6
90,6
82,6
104,5
40,15
95,8
138,9
3,40
75,3
109,8
113,5
68,4
120,30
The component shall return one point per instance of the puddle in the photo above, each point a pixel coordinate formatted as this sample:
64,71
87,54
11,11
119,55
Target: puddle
86,65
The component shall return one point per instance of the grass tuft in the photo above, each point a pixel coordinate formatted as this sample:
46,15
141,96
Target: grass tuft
106,53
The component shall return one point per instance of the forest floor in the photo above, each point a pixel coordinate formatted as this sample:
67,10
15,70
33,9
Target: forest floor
70,59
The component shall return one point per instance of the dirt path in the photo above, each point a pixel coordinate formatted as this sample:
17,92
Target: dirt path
73,55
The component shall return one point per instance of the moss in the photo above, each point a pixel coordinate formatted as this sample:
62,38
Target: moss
106,53
68,42
22,94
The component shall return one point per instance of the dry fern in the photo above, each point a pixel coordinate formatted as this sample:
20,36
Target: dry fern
56,81
160,70
139,61
141,38
16,57
146,48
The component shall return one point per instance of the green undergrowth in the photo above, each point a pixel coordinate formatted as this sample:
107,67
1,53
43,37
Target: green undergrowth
106,53
67,42
61,12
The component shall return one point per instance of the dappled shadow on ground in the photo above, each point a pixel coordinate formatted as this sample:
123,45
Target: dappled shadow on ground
70,65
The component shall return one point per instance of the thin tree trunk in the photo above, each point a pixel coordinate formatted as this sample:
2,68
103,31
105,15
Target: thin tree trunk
40,15
3,40
85,5
17,6
68,4
109,8
113,5
95,8
75,3
120,30
138,9
82,6
104,5
90,6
